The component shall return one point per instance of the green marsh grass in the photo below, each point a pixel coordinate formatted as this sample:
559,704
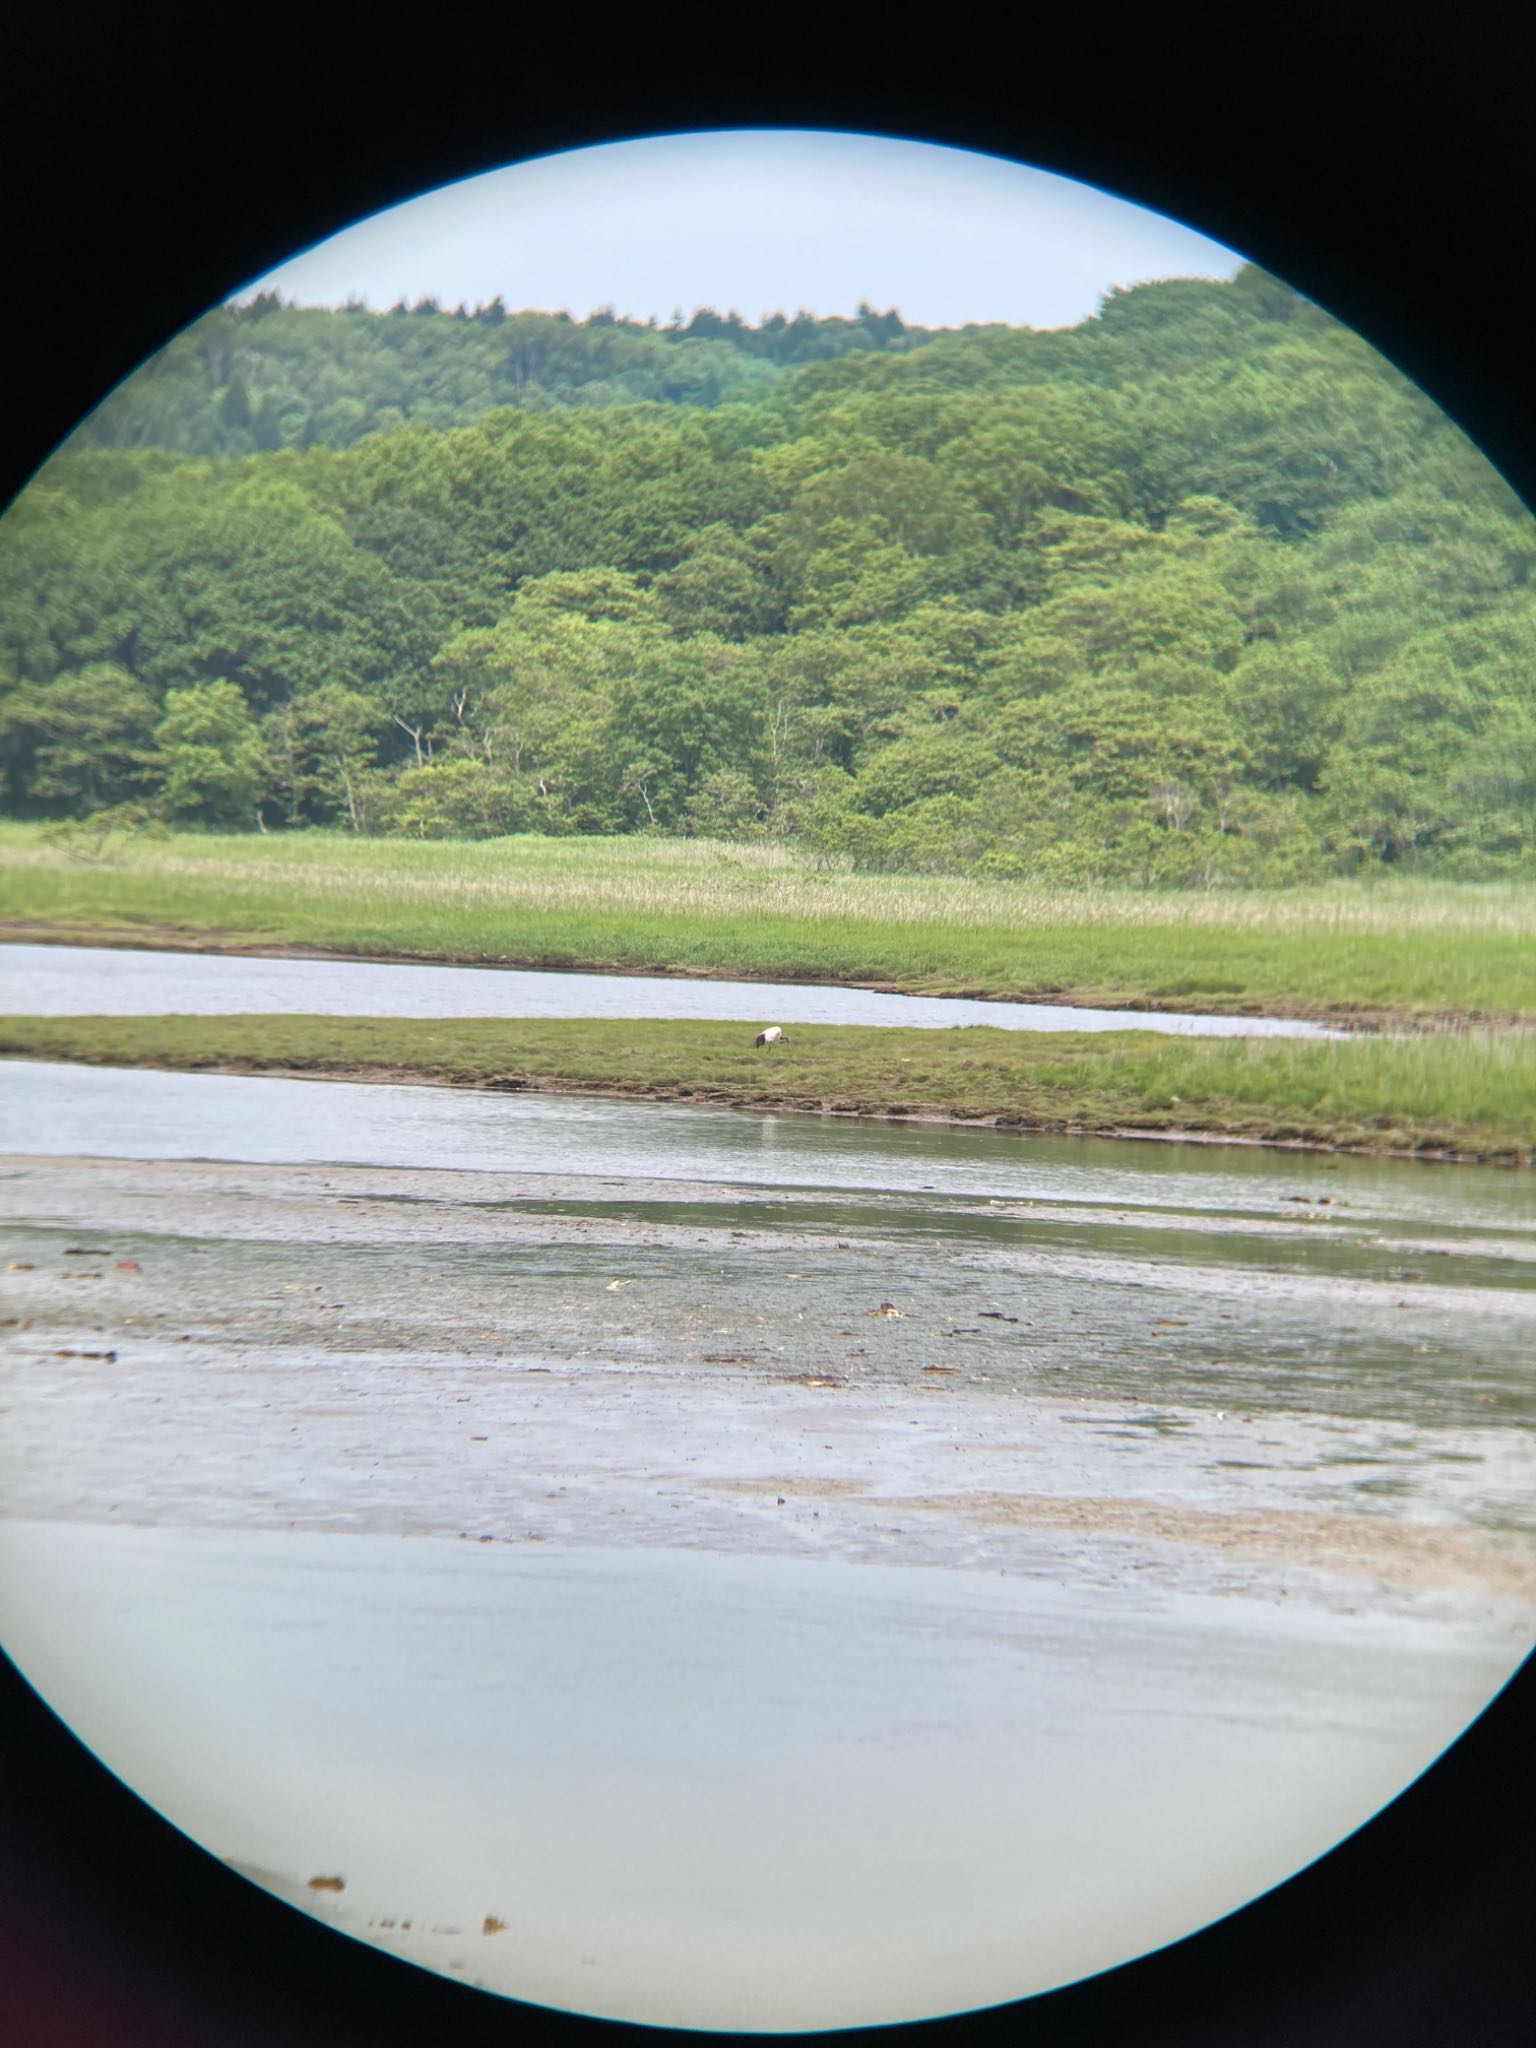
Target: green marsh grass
762,912
1466,1094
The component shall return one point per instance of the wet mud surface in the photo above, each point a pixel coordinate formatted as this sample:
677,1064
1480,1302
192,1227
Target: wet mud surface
991,1385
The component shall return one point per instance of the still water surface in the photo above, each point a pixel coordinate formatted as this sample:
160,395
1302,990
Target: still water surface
63,981
53,1109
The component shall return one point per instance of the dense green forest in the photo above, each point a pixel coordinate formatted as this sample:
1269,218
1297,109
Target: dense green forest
1198,592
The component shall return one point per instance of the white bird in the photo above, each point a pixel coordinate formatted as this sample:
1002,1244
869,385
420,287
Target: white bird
769,1037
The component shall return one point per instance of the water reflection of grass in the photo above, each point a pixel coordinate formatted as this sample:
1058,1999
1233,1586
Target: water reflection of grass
1471,1094
759,911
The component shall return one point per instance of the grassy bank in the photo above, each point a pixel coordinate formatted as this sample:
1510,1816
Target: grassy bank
1469,1096
698,907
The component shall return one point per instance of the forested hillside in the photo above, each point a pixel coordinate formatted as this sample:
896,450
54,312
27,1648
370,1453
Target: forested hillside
1198,592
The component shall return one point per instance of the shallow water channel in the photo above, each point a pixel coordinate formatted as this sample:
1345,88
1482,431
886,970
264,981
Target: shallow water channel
77,981
750,1573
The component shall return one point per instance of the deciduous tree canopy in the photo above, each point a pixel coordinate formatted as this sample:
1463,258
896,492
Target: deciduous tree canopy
1200,591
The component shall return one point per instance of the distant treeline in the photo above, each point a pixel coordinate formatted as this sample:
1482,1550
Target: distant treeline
1198,592
264,375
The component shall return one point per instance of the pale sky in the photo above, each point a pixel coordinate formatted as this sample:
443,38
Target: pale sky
764,220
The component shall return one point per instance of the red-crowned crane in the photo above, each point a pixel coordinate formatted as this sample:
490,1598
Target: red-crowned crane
769,1037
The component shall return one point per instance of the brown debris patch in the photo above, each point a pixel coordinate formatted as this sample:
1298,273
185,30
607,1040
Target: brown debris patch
1396,1553
784,1486
327,1884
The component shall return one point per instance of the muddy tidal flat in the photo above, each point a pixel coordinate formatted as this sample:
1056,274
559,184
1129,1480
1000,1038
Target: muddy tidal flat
921,1573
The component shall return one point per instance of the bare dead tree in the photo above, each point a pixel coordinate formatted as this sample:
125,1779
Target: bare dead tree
415,732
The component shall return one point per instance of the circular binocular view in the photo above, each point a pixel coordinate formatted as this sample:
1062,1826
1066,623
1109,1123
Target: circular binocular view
769,960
